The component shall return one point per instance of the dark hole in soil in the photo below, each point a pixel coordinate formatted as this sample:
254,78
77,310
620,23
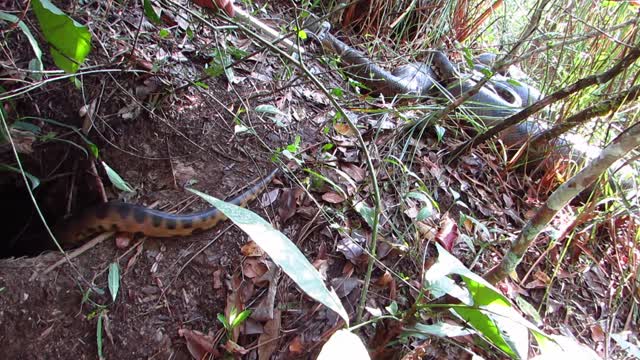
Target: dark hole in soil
24,233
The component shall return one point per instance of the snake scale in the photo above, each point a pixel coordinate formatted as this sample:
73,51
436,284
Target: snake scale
131,218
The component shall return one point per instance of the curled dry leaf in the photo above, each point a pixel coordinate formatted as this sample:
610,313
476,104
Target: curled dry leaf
269,198
251,249
254,268
350,249
448,233
183,174
344,129
199,344
217,279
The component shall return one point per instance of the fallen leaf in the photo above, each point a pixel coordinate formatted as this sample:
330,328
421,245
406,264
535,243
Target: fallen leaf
350,249
597,333
296,346
288,204
332,197
344,286
357,173
234,348
268,341
344,129
269,198
448,233
254,268
251,249
199,344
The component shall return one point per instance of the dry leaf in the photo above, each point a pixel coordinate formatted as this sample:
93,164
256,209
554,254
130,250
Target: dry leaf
344,129
254,268
268,341
332,197
448,233
296,346
199,344
251,249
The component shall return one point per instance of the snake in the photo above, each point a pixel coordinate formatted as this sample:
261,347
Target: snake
131,218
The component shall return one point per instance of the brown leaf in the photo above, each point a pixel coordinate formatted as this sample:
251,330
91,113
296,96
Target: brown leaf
254,268
251,249
332,197
234,348
448,233
349,248
357,173
288,203
199,344
296,346
344,129
597,333
268,341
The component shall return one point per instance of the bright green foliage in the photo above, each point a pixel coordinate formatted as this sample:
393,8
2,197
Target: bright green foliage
70,42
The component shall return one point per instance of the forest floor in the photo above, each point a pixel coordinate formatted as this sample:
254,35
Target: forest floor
209,137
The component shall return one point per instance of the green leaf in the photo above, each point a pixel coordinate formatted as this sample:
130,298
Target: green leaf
282,251
99,336
302,35
70,42
240,318
327,147
164,33
440,329
490,313
151,13
34,180
440,132
114,280
36,63
224,321
115,179
94,149
366,212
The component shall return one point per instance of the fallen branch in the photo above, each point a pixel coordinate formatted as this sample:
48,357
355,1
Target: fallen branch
618,148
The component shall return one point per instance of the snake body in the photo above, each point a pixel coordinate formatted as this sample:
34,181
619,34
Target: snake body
131,218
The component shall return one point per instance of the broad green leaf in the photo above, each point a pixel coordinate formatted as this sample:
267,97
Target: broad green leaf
115,179
70,42
36,63
441,329
282,251
34,180
114,280
344,344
